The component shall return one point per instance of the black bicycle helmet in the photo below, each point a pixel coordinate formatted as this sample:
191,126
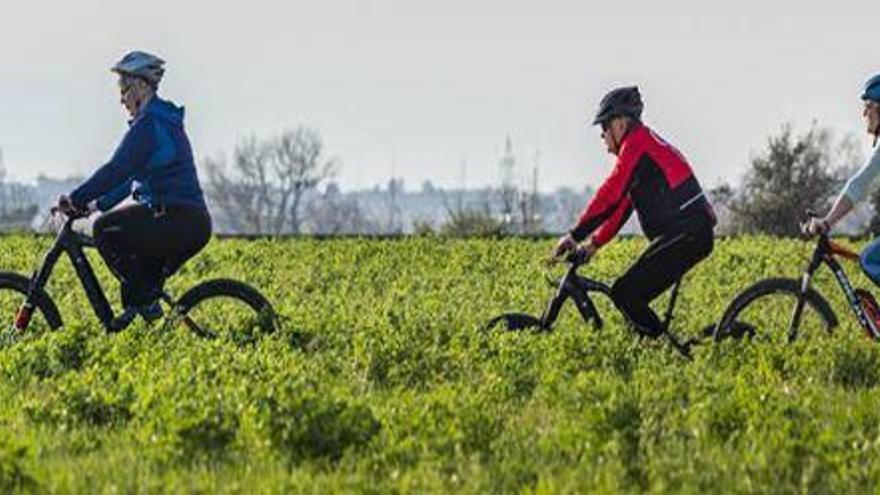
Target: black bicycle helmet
619,102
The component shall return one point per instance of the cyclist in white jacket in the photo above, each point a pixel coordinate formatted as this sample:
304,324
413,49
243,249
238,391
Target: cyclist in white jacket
858,186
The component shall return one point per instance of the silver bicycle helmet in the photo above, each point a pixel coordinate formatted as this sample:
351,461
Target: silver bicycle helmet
143,65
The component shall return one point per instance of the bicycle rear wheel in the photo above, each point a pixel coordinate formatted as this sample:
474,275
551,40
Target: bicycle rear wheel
229,309
765,312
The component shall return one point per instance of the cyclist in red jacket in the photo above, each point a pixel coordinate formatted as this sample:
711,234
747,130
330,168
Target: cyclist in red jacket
653,178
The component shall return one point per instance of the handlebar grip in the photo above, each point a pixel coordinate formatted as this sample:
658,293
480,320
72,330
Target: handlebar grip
71,213
576,257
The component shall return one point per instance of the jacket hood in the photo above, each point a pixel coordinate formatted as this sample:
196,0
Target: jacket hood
165,110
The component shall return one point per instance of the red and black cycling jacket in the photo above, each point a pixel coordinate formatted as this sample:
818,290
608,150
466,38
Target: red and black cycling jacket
652,177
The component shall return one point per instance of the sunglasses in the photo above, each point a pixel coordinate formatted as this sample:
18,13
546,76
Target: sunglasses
126,83
123,90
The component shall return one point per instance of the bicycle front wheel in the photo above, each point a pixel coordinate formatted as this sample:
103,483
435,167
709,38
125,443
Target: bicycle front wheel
13,293
772,311
228,309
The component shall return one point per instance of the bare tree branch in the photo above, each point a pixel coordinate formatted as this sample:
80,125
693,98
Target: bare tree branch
265,189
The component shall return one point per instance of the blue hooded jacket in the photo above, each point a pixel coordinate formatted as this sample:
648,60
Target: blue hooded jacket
154,163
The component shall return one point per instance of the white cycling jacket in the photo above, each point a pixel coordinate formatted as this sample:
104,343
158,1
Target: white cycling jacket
858,186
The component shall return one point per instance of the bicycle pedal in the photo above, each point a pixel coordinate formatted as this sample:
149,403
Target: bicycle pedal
122,321
151,313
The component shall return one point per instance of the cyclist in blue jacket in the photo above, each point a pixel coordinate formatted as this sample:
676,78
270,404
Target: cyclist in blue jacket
858,186
146,240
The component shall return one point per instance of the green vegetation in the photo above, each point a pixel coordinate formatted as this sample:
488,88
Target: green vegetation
381,380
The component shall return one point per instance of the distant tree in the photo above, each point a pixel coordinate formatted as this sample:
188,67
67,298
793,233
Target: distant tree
790,176
428,188
722,194
264,188
567,206
17,204
721,197
468,221
244,194
331,213
531,221
423,227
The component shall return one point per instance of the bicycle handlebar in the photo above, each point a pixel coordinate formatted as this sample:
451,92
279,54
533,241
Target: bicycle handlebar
70,213
576,258
810,215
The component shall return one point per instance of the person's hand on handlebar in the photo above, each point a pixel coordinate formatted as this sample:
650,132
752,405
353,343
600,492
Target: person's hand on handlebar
65,205
564,245
816,226
567,245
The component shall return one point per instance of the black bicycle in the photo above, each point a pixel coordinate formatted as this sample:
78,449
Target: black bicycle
777,308
214,308
578,288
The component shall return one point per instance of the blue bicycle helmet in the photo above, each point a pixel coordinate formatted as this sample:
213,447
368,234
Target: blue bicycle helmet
872,89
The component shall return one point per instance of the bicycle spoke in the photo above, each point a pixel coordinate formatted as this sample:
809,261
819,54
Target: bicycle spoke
198,329
226,318
772,317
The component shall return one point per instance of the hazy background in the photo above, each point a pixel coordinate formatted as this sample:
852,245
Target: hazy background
409,88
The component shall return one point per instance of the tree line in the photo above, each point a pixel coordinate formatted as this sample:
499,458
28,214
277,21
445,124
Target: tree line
282,184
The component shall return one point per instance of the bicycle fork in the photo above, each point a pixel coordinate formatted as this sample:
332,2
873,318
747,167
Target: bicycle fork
38,281
798,312
577,288
795,321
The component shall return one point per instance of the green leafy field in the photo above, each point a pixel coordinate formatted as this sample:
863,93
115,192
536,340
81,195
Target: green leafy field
381,380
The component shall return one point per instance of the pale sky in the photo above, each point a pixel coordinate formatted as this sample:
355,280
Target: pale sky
428,82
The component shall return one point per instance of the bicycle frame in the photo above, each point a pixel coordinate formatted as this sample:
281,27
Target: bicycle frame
578,288
825,251
72,243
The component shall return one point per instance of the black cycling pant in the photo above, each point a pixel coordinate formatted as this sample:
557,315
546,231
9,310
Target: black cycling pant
142,246
665,261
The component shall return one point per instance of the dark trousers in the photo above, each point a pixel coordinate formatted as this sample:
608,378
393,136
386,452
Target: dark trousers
665,261
142,246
